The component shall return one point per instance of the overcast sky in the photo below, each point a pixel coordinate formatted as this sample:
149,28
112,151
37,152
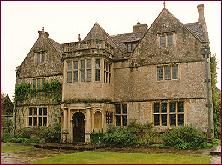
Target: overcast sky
20,22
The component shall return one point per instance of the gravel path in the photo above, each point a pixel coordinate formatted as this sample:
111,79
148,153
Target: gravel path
11,158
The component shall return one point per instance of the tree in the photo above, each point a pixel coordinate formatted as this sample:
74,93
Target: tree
7,106
216,97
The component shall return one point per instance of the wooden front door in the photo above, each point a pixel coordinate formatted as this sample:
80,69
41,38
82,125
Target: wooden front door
78,127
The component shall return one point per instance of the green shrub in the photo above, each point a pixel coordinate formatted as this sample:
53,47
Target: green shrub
186,137
133,134
6,137
51,134
96,138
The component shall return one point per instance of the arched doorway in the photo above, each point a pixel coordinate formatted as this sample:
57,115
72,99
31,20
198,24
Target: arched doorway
78,123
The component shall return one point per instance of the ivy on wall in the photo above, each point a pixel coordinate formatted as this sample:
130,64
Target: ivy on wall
51,89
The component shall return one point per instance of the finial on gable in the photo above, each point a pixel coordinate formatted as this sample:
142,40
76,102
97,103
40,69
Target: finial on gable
164,4
42,29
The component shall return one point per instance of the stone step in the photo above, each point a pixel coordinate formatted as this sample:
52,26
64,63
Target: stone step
216,152
79,147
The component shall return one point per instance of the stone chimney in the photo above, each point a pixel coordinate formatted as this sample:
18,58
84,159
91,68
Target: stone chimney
140,28
43,33
79,38
201,18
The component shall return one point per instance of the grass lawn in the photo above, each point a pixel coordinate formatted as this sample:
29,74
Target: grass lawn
93,157
15,147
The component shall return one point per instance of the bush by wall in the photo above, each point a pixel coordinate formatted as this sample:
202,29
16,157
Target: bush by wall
186,137
50,134
133,134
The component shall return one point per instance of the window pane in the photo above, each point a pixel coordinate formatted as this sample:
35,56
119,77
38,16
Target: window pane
167,71
109,117
82,75
172,119
34,111
38,58
162,41
40,111
34,121
156,120
69,64
164,119
43,81
43,57
180,119
69,77
118,120
172,106
97,78
124,106
180,106
75,73
175,71
156,107
124,120
38,83
118,110
163,107
159,72
75,63
82,64
97,63
88,75
40,121
170,39
44,121
88,63
30,111
129,47
34,83
44,111
30,121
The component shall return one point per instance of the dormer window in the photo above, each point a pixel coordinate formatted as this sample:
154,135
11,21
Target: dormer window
166,40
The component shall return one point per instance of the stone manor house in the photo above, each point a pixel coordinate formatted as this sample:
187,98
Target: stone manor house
154,74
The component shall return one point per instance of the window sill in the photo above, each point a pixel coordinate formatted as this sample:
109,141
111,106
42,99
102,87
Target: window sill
168,80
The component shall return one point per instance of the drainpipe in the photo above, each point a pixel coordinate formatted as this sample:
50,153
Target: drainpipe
206,54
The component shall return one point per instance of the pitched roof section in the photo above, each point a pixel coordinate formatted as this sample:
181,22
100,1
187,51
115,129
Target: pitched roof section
197,30
121,39
97,32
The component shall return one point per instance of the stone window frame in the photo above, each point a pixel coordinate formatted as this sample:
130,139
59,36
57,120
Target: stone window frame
79,70
37,83
34,116
40,57
166,39
162,74
107,71
169,113
121,115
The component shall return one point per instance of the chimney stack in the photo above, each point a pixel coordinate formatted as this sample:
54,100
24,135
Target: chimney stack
139,28
79,38
43,33
201,18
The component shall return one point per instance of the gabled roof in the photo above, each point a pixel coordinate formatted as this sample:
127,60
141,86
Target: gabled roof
97,32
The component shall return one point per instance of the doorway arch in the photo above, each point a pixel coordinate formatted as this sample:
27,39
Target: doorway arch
78,123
